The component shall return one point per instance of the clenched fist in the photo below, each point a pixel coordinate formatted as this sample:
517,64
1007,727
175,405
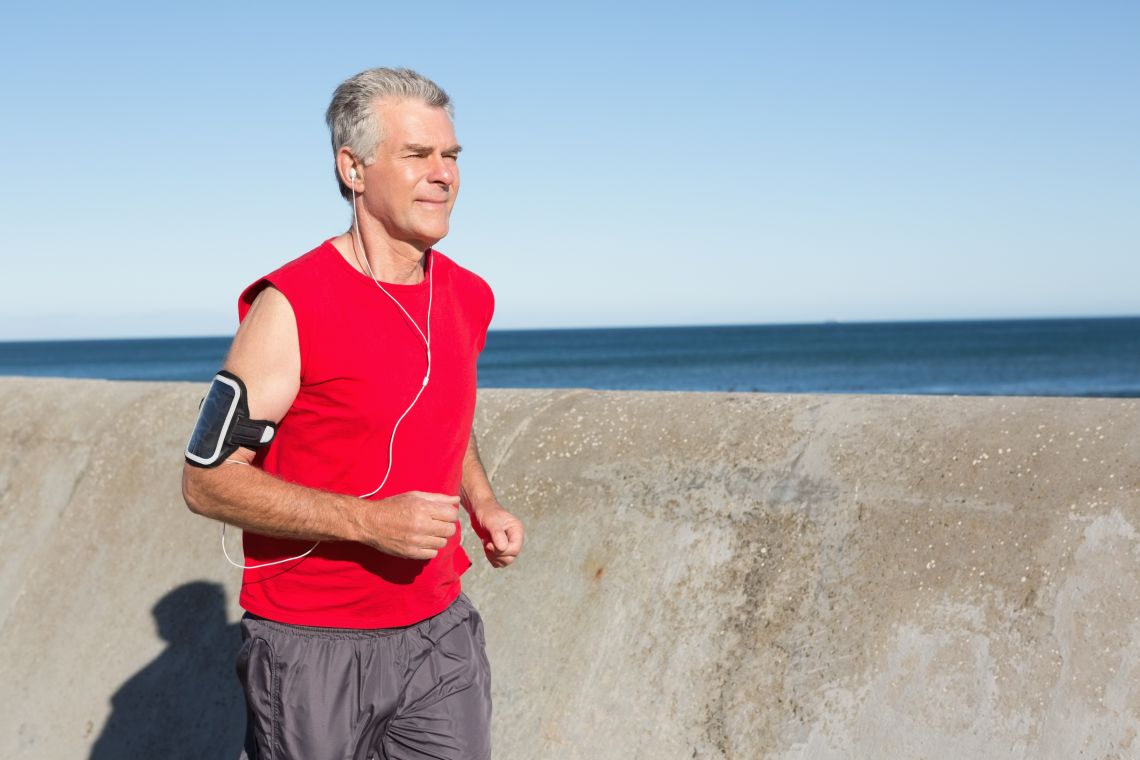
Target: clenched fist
414,525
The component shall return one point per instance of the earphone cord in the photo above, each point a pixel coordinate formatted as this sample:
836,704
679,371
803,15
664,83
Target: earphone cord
392,440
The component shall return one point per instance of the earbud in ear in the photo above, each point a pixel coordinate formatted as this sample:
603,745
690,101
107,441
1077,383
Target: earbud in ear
352,174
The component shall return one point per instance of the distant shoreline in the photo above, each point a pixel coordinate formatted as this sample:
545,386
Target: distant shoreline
726,325
1088,357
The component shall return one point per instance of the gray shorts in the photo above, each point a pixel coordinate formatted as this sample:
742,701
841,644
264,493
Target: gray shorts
419,692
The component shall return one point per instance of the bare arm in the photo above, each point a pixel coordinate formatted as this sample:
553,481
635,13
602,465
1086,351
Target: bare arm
502,533
476,488
266,355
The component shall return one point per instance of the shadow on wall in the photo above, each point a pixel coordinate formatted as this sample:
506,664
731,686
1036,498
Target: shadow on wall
186,703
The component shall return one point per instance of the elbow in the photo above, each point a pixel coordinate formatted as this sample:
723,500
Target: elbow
192,491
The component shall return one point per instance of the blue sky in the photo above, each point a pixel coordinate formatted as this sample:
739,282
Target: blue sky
624,163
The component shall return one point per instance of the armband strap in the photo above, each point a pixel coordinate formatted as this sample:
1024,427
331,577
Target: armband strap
224,424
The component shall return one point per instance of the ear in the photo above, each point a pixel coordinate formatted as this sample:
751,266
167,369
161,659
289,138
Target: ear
345,164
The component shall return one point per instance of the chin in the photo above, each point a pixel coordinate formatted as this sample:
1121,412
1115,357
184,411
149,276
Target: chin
434,236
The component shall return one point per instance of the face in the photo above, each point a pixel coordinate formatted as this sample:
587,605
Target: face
411,186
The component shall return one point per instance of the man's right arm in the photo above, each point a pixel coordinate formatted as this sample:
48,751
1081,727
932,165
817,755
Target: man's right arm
266,355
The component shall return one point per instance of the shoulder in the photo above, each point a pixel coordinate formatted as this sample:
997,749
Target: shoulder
464,280
473,292
286,278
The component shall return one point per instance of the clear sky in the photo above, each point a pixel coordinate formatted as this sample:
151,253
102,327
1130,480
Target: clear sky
624,163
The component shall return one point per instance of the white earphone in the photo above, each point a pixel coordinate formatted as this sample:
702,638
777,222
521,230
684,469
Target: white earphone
426,338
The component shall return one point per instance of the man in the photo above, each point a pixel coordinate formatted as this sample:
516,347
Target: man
357,363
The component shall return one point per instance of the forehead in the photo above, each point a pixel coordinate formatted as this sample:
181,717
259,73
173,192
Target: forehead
413,121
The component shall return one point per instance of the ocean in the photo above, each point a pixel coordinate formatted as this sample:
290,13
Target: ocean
1023,357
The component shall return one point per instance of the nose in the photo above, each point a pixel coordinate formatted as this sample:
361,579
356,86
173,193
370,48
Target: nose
443,171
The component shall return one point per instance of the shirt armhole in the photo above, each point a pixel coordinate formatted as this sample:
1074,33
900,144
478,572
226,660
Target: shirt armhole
490,312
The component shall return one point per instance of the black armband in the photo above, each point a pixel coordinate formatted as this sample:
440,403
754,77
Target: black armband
224,425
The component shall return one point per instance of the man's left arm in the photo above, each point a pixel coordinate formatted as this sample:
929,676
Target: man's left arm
500,531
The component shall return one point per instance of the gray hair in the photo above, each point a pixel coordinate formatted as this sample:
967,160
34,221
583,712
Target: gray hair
351,115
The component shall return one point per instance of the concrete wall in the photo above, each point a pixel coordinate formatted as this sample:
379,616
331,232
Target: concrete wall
705,576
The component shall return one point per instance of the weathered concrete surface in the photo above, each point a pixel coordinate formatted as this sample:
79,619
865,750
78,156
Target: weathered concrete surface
706,575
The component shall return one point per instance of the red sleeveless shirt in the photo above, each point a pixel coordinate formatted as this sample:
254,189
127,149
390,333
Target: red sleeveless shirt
361,365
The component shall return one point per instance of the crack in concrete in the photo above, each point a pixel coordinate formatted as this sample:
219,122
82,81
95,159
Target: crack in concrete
522,428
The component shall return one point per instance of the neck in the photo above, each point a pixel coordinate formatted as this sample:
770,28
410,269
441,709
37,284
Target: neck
395,264
382,258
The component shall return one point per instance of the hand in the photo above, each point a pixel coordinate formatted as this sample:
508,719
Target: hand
414,525
501,532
